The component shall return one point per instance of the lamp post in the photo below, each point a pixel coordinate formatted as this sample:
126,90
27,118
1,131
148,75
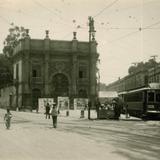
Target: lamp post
91,78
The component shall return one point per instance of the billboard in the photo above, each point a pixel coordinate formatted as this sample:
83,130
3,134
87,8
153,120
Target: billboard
63,103
42,102
80,103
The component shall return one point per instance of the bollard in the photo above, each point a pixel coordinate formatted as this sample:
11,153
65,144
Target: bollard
67,113
82,114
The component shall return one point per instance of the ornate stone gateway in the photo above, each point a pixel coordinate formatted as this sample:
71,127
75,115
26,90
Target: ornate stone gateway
50,68
60,85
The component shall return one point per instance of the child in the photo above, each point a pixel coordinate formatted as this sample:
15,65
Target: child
7,118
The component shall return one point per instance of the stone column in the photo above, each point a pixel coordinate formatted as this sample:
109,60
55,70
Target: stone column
74,64
46,63
26,72
74,69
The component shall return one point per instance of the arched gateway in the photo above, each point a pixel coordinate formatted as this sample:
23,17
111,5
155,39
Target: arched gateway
60,85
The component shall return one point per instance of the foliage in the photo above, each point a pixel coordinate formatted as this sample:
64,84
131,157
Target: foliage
142,66
5,71
15,33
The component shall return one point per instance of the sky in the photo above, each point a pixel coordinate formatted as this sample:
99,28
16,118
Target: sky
127,31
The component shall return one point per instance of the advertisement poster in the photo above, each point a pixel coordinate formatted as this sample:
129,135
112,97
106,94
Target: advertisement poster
42,102
80,103
63,103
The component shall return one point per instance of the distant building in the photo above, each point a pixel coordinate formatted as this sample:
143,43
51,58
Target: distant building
52,68
136,80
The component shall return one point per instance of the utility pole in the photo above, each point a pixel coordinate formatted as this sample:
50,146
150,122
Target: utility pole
91,38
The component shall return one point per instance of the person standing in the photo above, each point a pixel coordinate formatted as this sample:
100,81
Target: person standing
54,113
47,111
7,119
116,109
98,105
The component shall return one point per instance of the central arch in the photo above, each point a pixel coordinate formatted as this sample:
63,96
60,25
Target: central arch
60,85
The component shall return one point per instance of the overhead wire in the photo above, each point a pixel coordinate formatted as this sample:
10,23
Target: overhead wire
140,29
62,20
5,20
108,6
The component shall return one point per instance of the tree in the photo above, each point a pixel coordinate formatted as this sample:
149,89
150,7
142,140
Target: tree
142,66
15,33
6,76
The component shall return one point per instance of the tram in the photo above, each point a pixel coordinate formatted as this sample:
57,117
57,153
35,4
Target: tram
143,102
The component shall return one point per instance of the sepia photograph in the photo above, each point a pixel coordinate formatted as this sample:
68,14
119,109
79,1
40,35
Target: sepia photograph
80,80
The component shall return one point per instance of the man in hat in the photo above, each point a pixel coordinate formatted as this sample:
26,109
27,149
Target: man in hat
54,114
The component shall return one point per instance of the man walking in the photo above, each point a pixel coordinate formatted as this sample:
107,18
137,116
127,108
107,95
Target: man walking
54,114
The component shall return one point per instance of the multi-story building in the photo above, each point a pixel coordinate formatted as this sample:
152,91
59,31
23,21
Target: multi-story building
53,68
129,82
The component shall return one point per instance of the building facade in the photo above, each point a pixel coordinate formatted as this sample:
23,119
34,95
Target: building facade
54,68
136,80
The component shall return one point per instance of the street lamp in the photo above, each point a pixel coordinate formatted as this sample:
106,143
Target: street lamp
91,38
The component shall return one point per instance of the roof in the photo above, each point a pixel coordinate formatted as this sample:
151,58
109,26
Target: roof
154,85
108,94
150,86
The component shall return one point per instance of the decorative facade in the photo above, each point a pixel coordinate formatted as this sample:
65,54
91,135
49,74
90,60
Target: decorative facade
53,68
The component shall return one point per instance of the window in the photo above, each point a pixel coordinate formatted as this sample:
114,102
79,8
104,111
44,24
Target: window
157,97
134,97
36,71
82,72
150,97
17,71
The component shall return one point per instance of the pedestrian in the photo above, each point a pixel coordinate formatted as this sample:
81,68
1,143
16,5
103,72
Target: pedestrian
47,111
7,119
98,105
126,111
116,109
54,113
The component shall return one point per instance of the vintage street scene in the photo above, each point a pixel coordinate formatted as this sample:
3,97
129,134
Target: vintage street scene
80,80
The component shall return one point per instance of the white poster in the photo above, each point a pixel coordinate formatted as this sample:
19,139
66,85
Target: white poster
80,103
63,103
42,102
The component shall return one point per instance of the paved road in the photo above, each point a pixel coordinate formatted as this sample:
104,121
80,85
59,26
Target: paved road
32,137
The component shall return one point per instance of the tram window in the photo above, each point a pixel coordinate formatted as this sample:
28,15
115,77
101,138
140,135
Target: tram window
150,96
134,97
158,97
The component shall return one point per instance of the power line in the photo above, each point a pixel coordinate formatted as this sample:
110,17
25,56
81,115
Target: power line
5,20
50,10
140,29
108,6
154,24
